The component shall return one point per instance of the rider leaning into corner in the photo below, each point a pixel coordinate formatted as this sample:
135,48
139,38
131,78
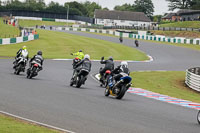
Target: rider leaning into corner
109,65
20,52
37,59
84,64
79,54
121,71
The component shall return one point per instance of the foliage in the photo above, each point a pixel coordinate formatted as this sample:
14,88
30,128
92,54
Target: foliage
157,18
75,8
145,6
183,4
91,7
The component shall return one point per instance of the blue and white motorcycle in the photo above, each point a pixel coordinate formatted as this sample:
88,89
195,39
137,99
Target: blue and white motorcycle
119,88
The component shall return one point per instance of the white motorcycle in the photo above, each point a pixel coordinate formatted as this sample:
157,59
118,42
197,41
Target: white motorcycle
21,63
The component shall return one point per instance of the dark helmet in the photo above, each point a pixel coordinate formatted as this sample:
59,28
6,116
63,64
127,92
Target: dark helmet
39,52
80,51
110,58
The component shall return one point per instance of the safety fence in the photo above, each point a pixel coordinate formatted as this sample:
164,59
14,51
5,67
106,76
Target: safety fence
158,38
4,41
192,78
50,19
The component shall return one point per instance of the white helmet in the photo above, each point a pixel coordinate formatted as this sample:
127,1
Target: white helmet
87,56
124,63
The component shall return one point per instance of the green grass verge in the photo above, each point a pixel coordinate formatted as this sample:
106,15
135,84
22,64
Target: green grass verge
184,24
169,83
12,125
186,34
8,31
31,23
60,45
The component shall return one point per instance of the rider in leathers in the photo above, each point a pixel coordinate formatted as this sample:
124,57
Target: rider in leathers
121,71
109,65
37,59
84,64
19,53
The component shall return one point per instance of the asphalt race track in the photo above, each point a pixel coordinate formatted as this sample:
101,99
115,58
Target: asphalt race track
49,99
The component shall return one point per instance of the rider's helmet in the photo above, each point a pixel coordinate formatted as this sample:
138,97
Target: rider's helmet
24,47
39,52
80,50
110,58
124,63
87,56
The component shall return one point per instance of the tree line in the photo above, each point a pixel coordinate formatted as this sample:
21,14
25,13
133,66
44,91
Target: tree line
75,8
184,4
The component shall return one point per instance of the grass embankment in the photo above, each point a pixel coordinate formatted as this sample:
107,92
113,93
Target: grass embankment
186,34
8,31
184,24
60,45
169,83
12,125
31,23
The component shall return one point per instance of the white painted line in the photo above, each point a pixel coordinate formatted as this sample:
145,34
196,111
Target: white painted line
94,77
150,60
38,123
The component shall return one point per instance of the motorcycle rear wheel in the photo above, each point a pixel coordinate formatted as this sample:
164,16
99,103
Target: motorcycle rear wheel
107,92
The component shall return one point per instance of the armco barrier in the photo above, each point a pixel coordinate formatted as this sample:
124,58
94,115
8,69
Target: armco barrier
4,41
192,78
159,38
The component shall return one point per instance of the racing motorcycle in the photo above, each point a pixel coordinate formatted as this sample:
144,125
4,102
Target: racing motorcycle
121,39
79,78
104,79
33,70
119,88
20,64
198,116
75,61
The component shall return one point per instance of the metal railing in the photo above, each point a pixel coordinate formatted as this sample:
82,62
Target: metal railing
192,78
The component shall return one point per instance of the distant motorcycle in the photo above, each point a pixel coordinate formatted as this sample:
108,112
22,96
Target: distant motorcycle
136,43
118,89
79,78
33,71
198,117
121,39
20,65
104,79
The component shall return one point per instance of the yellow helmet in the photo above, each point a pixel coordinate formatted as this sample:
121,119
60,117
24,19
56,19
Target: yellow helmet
24,47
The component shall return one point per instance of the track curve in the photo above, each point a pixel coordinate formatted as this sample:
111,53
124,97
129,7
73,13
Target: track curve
48,98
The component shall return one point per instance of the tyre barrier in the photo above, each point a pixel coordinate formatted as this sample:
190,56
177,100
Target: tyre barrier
159,38
192,78
5,41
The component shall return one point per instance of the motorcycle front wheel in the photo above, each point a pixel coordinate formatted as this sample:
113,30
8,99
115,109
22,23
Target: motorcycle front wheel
17,69
198,117
78,82
121,93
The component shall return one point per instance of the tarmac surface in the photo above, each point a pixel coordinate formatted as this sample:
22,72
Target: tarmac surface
49,99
